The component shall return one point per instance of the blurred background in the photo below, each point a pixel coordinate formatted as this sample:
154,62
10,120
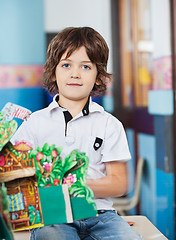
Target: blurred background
141,35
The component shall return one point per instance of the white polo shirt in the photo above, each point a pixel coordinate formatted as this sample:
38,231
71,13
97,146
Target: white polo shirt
93,131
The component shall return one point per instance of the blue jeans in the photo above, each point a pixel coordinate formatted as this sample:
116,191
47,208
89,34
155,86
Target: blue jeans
107,225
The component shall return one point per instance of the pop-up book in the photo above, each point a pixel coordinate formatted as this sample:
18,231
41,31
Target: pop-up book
43,188
5,225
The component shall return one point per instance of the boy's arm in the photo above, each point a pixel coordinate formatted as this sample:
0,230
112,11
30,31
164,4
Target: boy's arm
112,185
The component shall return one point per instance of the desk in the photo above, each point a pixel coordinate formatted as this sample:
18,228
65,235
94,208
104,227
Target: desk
144,227
20,221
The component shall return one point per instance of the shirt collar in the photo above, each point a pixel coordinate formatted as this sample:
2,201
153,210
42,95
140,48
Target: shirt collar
54,104
90,106
85,110
94,107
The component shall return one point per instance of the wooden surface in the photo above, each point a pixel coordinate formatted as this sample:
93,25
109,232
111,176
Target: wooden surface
143,226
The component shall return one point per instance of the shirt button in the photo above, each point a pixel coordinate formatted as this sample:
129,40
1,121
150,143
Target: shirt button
97,144
69,139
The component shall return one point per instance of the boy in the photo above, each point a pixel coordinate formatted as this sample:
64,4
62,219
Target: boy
75,69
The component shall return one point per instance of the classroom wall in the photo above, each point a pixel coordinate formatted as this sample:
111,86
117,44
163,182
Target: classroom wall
157,195
77,13
22,53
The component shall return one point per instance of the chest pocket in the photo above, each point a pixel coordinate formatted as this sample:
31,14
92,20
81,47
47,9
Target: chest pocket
98,143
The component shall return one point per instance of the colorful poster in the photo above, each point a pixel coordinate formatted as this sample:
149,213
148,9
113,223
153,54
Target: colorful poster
162,73
14,76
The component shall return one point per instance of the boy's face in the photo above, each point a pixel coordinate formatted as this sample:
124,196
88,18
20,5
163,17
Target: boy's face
75,76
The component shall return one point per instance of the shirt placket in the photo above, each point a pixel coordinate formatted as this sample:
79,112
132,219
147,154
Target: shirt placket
69,138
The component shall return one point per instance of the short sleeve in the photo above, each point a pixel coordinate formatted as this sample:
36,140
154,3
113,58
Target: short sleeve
26,132
115,147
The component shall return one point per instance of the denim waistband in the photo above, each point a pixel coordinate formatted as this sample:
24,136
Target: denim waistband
103,211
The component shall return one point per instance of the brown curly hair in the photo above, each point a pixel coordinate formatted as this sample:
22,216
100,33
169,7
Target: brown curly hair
73,38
